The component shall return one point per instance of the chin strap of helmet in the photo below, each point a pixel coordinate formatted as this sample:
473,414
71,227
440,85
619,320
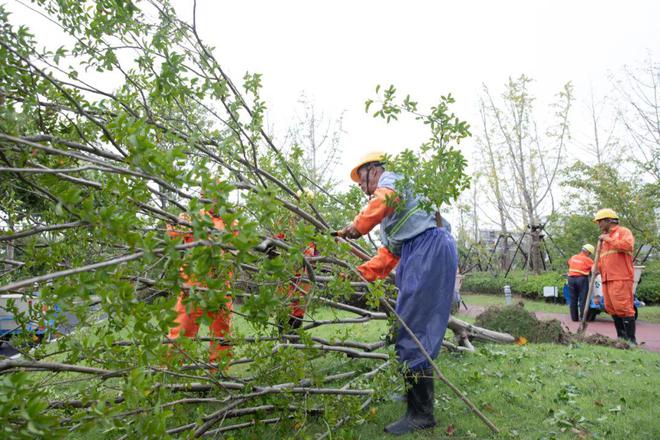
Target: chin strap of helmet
369,167
368,172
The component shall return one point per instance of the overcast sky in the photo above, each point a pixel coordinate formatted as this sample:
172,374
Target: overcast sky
337,52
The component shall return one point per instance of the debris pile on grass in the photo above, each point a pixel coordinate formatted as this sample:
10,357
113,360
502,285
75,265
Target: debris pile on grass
598,339
518,322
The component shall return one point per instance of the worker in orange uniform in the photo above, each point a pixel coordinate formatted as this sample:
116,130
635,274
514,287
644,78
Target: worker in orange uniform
579,269
298,289
427,262
188,320
615,265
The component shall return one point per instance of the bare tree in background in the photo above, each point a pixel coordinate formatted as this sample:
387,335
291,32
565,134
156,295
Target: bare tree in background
603,140
467,230
319,139
492,164
640,113
530,160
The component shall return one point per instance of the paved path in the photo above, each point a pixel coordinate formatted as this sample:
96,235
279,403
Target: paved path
647,333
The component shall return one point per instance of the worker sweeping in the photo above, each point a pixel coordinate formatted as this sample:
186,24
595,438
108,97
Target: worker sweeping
579,269
615,265
427,259
189,314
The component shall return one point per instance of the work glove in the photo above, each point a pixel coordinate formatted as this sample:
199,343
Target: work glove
268,247
348,232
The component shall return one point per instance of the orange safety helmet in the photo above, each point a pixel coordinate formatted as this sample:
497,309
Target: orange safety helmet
374,156
605,213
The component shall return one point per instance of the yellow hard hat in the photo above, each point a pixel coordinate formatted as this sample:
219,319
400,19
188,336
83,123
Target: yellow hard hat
605,213
374,156
589,248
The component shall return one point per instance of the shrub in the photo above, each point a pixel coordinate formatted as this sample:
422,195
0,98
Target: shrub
522,283
648,289
531,286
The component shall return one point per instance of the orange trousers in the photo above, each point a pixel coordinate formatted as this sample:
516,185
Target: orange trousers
618,295
297,305
189,323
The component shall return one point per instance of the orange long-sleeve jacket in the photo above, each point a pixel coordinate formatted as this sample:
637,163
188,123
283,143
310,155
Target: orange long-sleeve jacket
376,210
297,308
616,255
579,265
175,231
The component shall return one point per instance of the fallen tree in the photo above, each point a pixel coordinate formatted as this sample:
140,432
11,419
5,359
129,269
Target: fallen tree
95,166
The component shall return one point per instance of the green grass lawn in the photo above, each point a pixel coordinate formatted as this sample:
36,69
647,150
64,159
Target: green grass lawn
542,392
537,391
646,313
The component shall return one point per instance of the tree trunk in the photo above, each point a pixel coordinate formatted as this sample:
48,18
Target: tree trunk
535,258
504,257
464,330
9,255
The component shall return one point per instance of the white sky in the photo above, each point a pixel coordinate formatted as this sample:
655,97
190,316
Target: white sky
337,52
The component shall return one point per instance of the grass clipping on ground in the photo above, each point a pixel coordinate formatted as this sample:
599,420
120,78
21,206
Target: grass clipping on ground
520,323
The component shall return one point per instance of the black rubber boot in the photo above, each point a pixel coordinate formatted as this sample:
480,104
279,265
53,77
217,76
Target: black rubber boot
618,324
629,327
295,323
419,398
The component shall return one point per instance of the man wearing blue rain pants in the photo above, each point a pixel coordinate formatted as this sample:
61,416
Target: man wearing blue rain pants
427,259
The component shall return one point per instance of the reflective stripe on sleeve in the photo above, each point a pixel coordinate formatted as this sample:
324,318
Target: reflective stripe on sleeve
578,271
615,251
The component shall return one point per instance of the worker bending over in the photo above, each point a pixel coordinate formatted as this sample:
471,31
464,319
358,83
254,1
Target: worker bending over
427,259
579,269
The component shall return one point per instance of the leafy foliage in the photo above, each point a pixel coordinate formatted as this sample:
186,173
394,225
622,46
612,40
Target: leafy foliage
569,233
437,171
129,130
598,186
648,289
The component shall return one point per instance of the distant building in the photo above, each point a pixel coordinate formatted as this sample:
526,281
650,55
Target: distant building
488,237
